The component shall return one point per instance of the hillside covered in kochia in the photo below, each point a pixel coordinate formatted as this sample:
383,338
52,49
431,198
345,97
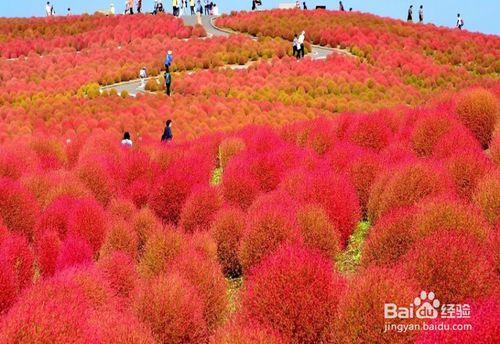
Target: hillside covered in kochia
296,198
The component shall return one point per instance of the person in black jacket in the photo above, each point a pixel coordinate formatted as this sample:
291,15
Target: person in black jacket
167,132
410,14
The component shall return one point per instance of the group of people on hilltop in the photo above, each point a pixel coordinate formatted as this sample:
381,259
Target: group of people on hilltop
409,18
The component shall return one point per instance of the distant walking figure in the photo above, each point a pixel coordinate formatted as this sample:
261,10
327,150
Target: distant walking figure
143,74
139,6
341,6
421,14
460,22
304,5
69,12
127,142
168,83
191,5
167,133
410,14
48,9
168,60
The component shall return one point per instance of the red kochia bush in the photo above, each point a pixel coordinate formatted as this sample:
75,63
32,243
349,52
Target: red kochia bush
200,208
88,220
121,237
16,251
428,129
487,197
360,317
484,318
334,193
118,268
371,132
390,238
18,208
47,251
239,187
9,289
206,277
270,223
295,292
406,186
458,139
318,232
74,251
454,266
227,230
478,110
238,332
466,169
495,148
170,306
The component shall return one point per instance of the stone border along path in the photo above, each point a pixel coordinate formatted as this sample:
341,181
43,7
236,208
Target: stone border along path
133,86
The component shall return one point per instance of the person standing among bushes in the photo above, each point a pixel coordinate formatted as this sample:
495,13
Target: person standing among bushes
168,60
143,75
207,7
410,14
48,9
460,22
304,5
127,142
139,6
295,45
301,41
341,6
168,83
421,14
167,132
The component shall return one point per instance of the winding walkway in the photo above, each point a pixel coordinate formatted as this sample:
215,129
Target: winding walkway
133,87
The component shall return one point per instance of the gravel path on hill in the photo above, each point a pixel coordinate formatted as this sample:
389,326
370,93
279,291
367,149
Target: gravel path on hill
133,87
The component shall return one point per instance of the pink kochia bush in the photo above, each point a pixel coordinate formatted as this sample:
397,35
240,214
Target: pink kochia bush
296,292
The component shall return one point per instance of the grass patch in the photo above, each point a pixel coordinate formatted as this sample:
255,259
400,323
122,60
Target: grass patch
348,260
233,293
216,176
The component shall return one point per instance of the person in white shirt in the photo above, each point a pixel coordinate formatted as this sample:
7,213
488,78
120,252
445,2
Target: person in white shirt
460,22
127,142
112,9
301,40
215,10
143,74
69,11
49,10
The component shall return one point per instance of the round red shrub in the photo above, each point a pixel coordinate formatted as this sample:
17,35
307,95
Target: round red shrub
478,111
144,223
370,132
55,217
295,292
96,176
18,208
16,251
161,248
239,187
206,277
390,238
495,148
120,237
270,223
484,318
229,148
9,289
74,251
454,266
88,220
334,193
466,169
199,210
318,232
360,316
170,306
119,269
227,230
47,251
239,332
487,197
406,186
428,130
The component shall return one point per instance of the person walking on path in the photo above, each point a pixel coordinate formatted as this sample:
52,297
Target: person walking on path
410,14
127,142
143,74
48,9
168,60
69,12
460,22
191,6
168,83
139,6
301,41
421,14
341,6
304,5
167,132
